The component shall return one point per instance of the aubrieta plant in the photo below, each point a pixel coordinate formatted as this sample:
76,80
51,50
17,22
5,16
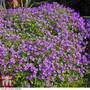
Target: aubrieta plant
43,47
87,20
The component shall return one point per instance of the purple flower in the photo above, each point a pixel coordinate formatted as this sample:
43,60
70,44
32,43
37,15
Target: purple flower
88,55
72,78
61,78
39,60
12,61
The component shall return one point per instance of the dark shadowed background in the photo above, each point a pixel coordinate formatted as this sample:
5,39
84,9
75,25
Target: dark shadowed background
82,6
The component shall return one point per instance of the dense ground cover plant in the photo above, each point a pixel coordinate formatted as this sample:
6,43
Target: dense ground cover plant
87,20
87,25
43,46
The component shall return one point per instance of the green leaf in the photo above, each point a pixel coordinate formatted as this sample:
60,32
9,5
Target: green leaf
17,42
8,43
37,82
23,54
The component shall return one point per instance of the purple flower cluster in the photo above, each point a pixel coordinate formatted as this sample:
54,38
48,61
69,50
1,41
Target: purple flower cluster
45,41
87,20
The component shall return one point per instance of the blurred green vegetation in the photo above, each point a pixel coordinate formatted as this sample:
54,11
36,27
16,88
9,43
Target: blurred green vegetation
28,3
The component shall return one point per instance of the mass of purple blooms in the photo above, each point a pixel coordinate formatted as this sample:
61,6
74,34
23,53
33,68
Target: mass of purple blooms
44,43
87,25
87,20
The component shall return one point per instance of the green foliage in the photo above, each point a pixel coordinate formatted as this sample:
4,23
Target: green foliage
17,42
38,83
27,28
23,54
8,43
19,79
77,83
